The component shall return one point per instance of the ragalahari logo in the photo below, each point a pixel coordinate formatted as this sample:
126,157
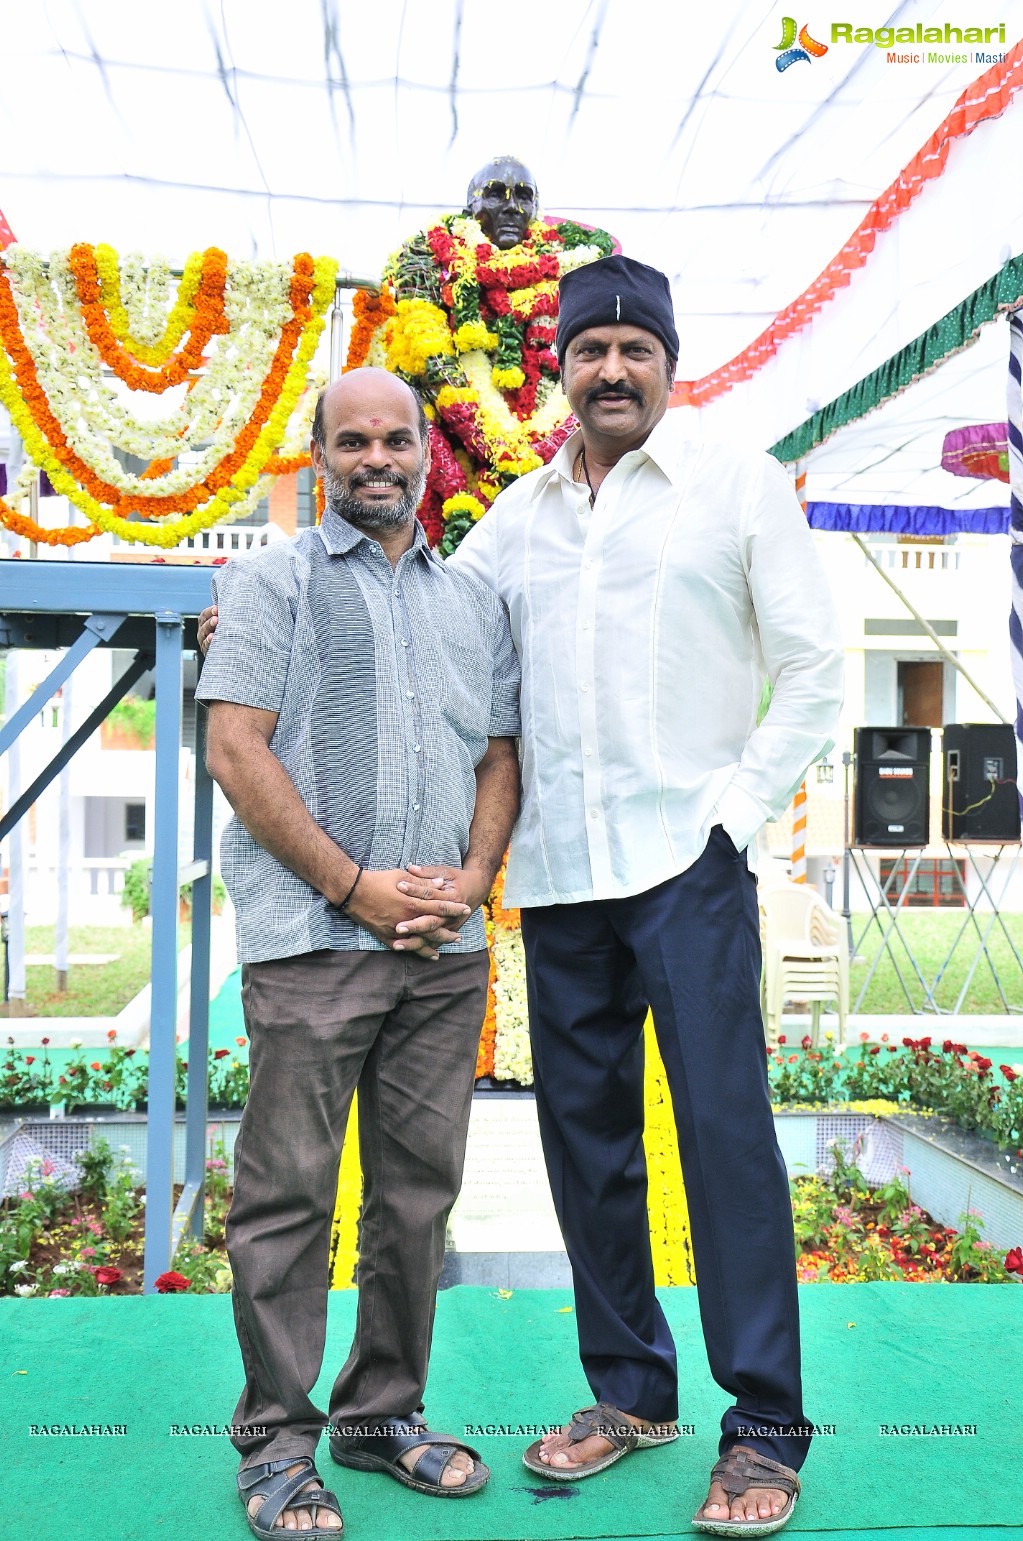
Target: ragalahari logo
808,48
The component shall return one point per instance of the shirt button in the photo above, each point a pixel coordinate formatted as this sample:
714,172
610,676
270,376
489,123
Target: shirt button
584,687
417,749
593,813
404,642
588,752
411,694
415,807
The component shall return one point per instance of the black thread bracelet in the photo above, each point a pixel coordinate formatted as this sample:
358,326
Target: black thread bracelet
344,902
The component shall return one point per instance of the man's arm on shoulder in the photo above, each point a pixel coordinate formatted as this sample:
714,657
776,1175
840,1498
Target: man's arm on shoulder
476,553
802,646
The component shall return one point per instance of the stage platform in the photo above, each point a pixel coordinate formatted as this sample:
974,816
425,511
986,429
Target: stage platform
876,1355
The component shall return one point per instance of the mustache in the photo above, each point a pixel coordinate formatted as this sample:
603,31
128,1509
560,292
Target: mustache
598,392
389,478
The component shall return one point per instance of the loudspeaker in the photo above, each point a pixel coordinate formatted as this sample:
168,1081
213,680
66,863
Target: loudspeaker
979,797
892,798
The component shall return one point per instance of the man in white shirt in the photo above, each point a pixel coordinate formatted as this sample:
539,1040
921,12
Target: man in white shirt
652,583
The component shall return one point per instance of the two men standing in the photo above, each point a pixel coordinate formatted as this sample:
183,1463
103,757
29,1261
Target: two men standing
650,583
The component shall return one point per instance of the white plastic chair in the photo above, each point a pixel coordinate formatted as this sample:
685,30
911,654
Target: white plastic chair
805,956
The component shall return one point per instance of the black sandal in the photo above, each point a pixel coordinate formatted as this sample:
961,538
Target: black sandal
379,1448
278,1491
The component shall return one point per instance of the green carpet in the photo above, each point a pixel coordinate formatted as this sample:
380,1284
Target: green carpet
875,1354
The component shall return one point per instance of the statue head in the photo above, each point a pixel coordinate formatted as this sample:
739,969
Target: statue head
502,196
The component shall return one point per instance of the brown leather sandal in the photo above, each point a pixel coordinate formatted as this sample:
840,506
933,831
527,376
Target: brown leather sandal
738,1471
603,1420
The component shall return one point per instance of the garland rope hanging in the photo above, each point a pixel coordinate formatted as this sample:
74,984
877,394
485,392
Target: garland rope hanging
950,335
239,337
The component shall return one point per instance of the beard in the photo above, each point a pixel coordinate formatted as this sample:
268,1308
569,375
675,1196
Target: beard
341,497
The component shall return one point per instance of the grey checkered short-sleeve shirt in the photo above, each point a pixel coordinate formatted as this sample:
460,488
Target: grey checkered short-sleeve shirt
387,684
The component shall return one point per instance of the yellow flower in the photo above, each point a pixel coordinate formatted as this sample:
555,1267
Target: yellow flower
508,379
474,334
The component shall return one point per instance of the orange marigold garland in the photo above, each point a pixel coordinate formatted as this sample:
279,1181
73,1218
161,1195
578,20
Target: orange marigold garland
488,1037
245,450
207,320
371,311
104,492
28,529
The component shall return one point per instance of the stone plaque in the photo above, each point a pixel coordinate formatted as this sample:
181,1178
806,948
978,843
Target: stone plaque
505,1204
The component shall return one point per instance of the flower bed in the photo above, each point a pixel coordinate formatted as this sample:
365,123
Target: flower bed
83,1234
848,1232
117,1077
955,1081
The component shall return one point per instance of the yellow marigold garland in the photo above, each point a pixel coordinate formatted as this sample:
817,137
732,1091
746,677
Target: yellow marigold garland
179,321
344,1231
26,403
666,1195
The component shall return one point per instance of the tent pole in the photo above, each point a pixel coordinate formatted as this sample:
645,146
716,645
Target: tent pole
929,629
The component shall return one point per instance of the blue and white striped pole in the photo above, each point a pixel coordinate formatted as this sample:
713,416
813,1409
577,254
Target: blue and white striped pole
1016,526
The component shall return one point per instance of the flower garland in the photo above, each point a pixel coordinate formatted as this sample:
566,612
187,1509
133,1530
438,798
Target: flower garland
151,283
670,1237
371,312
202,494
344,1231
473,328
204,317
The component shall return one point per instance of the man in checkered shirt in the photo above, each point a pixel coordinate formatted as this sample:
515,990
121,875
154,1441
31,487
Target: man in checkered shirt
363,709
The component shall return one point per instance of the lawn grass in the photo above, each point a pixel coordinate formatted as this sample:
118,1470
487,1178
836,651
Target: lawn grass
930,934
94,990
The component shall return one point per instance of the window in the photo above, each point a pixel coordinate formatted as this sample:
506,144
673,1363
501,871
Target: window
135,821
934,884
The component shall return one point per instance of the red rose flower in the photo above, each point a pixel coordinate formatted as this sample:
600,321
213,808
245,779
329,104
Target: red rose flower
781,1037
108,1275
221,1053
171,1283
874,1049
807,1041
1007,1071
1014,1260
30,1059
95,1065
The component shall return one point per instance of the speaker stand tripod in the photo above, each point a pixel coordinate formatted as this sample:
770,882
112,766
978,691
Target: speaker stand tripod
882,905
993,919
982,923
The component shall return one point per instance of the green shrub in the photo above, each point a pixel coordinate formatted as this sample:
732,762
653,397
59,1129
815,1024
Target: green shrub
137,718
138,878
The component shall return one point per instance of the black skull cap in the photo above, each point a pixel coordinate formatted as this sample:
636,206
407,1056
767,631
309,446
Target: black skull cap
616,291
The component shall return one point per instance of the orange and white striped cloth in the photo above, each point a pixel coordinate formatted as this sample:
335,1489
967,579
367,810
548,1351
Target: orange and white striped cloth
798,872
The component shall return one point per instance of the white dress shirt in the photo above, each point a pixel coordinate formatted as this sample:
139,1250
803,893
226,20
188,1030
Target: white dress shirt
646,626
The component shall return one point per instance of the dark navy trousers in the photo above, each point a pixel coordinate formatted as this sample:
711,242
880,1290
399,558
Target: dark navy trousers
689,950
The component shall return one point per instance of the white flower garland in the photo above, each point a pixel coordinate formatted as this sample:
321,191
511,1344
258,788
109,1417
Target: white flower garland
512,1058
207,419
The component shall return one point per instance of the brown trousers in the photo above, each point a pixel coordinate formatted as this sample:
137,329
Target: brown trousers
405,1031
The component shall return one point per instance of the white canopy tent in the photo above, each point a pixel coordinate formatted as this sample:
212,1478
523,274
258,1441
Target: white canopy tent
269,129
